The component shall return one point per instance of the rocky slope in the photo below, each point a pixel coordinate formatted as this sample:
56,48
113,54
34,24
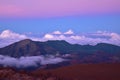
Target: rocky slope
75,72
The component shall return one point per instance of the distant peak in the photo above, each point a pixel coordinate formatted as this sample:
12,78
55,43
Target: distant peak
26,41
105,44
57,41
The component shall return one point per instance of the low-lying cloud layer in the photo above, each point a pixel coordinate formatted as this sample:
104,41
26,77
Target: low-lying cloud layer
8,37
32,61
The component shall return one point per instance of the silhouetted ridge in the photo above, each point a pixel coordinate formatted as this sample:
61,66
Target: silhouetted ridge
26,40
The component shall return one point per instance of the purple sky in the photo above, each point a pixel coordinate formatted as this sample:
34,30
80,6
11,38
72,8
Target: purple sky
53,8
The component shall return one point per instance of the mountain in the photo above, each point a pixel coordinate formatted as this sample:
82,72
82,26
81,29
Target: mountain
28,47
22,48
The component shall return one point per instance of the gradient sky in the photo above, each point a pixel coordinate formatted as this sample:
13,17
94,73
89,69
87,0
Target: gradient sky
40,16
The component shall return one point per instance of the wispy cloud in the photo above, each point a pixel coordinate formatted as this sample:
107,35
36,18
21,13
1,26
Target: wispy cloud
57,32
69,32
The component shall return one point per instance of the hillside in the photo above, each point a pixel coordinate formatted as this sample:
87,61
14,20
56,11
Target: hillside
75,72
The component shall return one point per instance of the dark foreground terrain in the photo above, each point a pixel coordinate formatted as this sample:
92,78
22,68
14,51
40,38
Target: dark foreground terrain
74,72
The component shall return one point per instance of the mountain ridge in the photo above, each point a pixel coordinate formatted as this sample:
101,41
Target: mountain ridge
28,47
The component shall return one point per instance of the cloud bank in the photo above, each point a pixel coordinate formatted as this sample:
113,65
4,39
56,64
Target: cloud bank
8,37
32,61
84,39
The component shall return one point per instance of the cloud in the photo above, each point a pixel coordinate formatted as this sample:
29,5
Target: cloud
53,37
10,34
90,38
77,37
106,37
8,37
115,36
69,32
32,61
48,36
57,32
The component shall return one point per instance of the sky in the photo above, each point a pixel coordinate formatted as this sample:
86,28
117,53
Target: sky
41,18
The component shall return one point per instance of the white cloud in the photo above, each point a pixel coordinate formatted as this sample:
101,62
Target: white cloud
10,34
48,36
7,37
69,32
77,37
57,32
115,36
32,61
53,37
61,37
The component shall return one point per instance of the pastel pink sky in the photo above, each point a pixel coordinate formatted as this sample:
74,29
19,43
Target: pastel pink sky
53,8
